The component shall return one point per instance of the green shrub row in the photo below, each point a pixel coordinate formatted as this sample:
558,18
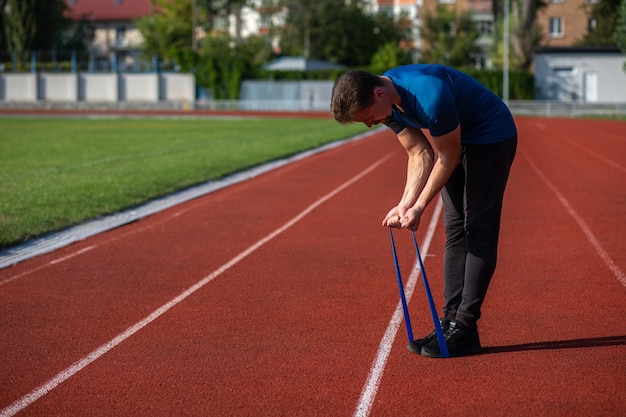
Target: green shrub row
521,83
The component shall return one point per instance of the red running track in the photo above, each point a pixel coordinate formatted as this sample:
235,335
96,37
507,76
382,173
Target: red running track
277,297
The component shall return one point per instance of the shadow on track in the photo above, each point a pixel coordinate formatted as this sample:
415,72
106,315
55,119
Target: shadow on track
558,344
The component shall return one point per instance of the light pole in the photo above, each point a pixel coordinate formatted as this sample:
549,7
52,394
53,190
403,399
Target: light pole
505,64
194,24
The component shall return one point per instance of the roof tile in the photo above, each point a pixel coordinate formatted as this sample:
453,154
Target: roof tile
106,10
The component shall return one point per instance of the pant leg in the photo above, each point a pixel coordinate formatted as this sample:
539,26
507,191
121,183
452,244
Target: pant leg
453,197
487,170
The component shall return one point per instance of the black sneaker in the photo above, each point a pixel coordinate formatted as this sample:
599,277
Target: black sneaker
416,345
460,340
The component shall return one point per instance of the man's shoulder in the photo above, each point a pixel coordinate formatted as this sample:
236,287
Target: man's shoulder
408,69
417,75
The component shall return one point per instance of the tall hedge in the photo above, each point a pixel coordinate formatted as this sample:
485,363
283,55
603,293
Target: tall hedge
521,83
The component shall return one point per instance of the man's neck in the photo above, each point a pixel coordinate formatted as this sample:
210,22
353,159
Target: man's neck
393,93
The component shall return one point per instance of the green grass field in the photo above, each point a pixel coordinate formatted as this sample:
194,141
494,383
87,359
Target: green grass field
57,172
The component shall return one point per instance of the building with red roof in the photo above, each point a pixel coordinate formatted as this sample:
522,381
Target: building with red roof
112,23
108,10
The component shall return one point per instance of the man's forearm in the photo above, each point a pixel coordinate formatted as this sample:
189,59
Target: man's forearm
419,169
449,147
436,181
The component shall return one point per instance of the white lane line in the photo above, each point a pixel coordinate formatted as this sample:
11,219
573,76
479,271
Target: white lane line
71,255
370,389
55,261
64,375
619,274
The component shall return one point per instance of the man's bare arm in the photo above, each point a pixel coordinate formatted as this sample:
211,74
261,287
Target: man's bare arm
449,152
420,163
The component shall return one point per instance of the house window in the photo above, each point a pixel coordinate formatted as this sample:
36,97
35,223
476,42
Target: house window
120,36
446,1
386,10
480,60
563,70
266,20
556,27
556,1
485,27
452,30
220,23
592,24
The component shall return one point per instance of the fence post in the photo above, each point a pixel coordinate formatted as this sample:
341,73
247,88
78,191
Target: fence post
73,60
92,61
33,62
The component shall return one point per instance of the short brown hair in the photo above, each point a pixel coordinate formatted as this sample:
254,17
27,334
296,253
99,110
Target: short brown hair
353,91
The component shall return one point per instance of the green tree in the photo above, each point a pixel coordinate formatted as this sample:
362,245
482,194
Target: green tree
496,49
605,14
388,56
219,70
525,34
218,12
219,61
37,25
449,38
167,32
339,32
224,63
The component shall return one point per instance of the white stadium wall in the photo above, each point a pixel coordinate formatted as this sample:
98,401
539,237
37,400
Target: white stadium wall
18,87
96,87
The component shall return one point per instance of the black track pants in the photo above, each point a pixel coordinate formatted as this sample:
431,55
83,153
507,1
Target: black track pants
472,201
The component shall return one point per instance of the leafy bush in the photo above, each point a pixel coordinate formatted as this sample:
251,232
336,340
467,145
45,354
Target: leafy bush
521,83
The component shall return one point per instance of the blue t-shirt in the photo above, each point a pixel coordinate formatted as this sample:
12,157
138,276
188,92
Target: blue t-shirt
438,98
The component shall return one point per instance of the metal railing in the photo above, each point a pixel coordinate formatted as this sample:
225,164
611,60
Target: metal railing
546,108
542,108
551,108
79,61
